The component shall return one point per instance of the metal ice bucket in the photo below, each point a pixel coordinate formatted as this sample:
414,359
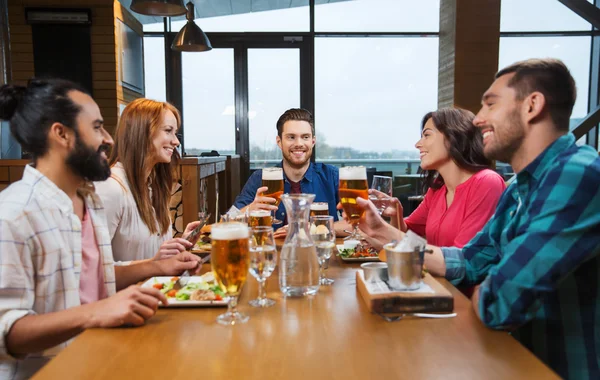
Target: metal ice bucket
404,268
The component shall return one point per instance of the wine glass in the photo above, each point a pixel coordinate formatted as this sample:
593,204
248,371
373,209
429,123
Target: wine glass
263,260
230,261
273,179
382,184
322,233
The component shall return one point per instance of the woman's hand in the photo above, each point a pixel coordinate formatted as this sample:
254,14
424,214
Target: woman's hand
393,210
188,230
372,225
172,248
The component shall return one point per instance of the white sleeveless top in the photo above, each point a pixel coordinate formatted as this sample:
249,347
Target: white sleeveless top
131,239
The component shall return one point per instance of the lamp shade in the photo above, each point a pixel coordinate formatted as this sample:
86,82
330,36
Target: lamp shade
191,37
158,7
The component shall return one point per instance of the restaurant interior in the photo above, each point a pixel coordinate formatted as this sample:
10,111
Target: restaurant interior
368,70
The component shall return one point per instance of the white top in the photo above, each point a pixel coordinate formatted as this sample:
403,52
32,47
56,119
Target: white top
131,238
40,260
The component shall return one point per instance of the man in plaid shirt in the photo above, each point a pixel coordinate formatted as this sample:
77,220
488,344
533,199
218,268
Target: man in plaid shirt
538,259
57,276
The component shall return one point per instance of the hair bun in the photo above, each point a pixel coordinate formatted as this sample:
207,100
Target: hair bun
10,97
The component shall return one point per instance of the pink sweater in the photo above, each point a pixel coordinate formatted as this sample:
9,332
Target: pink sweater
474,203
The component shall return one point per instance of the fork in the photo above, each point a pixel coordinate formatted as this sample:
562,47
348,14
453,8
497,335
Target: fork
185,276
419,315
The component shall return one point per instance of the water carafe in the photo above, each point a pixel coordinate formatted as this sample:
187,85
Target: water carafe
299,266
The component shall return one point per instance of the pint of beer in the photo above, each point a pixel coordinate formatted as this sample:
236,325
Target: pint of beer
319,208
273,179
230,255
353,184
258,218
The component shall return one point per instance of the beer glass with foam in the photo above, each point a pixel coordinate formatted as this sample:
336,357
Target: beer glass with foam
273,179
353,184
230,261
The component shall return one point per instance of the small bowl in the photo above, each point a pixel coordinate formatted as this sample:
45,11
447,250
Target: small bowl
375,271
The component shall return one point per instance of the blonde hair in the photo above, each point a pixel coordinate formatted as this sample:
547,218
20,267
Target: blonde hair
138,125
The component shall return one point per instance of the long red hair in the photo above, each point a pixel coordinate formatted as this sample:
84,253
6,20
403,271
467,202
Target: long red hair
140,122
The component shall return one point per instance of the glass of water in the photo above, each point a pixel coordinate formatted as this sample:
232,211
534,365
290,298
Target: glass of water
263,260
323,235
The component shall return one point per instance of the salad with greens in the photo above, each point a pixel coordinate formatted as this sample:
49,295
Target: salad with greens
194,291
361,250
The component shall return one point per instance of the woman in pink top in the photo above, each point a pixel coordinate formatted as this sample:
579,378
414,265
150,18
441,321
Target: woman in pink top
461,191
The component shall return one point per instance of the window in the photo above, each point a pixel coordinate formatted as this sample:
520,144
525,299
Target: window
273,87
377,16
247,16
539,15
573,51
154,68
208,102
370,97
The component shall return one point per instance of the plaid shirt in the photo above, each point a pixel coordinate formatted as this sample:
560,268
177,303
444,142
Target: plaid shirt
40,260
539,260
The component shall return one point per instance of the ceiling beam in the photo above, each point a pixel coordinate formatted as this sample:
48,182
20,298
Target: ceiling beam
584,9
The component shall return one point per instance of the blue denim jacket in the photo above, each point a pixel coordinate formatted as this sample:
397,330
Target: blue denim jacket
320,179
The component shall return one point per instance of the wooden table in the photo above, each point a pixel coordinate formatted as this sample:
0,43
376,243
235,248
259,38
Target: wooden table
329,336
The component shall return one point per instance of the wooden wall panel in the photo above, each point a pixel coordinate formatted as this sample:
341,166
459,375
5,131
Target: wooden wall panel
468,51
104,48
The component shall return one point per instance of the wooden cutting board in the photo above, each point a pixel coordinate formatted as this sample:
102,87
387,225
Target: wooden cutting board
431,298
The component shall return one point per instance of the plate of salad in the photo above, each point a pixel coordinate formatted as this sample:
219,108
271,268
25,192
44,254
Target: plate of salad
200,291
360,253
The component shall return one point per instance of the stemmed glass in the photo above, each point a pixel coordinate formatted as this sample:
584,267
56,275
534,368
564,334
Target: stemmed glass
353,184
322,233
383,184
273,179
230,261
263,260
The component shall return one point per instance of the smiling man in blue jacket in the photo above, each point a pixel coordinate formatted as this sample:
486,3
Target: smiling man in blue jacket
296,139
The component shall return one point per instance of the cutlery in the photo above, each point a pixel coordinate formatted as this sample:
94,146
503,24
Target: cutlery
185,276
418,315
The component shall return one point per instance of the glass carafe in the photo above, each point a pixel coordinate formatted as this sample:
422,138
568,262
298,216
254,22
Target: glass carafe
299,266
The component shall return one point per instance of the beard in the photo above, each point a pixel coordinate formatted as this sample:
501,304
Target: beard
294,163
506,140
89,163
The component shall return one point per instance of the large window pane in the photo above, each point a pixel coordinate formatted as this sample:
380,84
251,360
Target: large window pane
539,15
208,101
154,68
573,51
377,16
273,87
371,94
247,16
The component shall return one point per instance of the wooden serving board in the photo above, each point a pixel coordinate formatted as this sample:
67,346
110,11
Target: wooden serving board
379,298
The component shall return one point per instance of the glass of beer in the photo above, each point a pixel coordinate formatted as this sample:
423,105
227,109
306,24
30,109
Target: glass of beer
258,218
230,260
273,179
353,184
263,260
319,208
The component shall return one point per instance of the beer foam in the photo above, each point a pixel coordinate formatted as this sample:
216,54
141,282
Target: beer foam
229,231
353,173
260,213
319,206
272,174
